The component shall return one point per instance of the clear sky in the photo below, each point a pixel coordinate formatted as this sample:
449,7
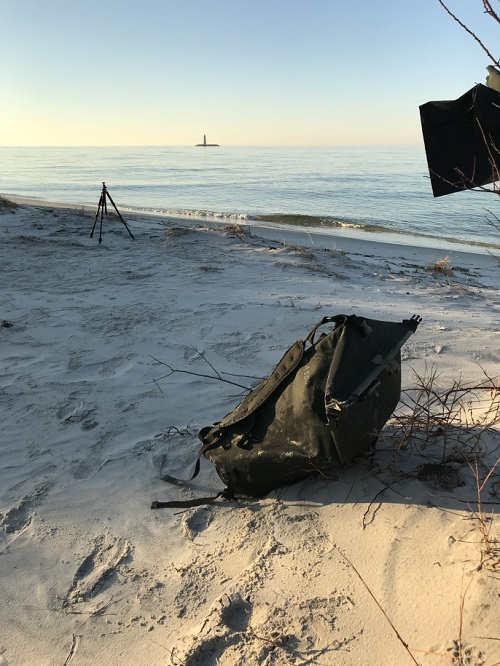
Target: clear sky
243,72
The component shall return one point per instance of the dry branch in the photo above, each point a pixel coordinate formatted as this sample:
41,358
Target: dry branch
488,10
400,638
484,522
457,416
216,376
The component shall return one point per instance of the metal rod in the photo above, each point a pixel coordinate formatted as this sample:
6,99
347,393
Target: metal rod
96,216
118,213
103,207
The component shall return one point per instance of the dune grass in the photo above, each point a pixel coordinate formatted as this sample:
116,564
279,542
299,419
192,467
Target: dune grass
7,206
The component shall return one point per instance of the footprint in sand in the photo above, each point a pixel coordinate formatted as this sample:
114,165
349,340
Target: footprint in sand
125,406
19,517
236,631
222,635
98,569
196,522
236,615
74,411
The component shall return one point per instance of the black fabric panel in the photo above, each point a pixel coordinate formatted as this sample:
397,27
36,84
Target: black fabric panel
460,138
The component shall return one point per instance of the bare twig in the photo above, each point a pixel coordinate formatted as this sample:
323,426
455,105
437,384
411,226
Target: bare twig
434,654
386,487
72,650
463,499
485,522
194,374
472,34
458,415
403,643
488,10
488,638
463,594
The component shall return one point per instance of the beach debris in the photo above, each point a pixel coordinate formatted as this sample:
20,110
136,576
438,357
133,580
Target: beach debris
7,206
441,267
439,474
237,230
176,231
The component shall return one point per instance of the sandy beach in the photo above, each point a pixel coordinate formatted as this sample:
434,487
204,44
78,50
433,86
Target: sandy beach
391,563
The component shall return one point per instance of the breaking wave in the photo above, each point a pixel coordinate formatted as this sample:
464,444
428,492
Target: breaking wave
313,222
323,223
198,214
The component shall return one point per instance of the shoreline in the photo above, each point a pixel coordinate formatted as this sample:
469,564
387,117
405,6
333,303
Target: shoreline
383,190
329,237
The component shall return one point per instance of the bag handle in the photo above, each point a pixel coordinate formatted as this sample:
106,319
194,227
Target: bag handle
338,319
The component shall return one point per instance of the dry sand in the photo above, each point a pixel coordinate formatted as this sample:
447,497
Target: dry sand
349,572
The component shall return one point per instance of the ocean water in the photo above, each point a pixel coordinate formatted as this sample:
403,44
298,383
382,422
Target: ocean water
368,191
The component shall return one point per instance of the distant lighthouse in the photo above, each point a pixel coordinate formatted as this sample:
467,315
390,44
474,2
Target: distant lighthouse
205,144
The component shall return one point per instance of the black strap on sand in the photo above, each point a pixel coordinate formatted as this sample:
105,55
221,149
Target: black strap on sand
228,493
185,504
188,504
196,471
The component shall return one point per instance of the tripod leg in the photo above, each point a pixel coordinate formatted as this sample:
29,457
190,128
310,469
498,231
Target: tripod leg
96,216
118,213
102,215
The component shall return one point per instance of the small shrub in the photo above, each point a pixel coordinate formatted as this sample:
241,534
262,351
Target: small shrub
237,230
7,206
458,415
441,267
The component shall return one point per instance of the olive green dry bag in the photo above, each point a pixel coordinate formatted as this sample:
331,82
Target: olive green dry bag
324,403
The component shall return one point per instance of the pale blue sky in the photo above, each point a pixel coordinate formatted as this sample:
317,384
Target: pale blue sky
253,72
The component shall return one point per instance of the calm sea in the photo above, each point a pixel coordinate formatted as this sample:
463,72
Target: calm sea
358,190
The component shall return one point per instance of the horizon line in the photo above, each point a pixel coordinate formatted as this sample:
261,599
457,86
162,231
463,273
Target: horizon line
239,145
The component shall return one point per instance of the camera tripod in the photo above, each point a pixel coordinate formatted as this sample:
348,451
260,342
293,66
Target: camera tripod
102,208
